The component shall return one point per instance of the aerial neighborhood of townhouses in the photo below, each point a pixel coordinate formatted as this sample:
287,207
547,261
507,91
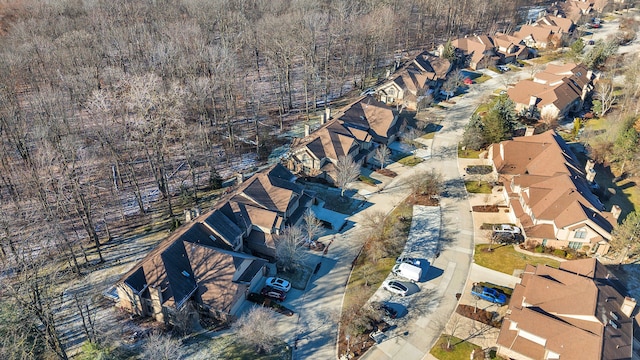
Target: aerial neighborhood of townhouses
462,204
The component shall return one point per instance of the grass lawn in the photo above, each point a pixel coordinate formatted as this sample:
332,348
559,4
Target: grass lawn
461,349
482,109
505,259
410,160
481,79
597,124
478,187
226,347
429,135
547,57
468,153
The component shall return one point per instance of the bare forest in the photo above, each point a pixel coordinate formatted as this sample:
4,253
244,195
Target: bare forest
116,115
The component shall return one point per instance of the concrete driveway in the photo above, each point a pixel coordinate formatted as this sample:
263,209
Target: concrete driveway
312,331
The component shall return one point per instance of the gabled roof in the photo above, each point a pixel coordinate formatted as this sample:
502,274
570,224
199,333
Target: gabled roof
560,95
268,190
435,67
198,256
331,141
371,115
538,33
476,46
559,85
184,264
224,227
220,273
562,23
551,181
567,311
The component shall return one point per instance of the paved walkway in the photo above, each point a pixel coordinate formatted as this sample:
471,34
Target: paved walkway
456,237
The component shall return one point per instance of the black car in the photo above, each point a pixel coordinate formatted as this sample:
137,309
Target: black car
385,308
273,293
506,238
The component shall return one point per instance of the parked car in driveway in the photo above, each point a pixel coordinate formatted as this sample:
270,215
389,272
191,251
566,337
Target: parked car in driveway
507,238
506,228
407,260
407,271
395,287
488,294
384,308
504,68
278,283
273,293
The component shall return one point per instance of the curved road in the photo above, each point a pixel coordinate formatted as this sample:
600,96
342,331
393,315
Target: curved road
313,330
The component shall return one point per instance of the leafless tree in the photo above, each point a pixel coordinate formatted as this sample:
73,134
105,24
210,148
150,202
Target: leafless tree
605,93
347,171
162,347
426,183
382,155
533,69
312,225
290,255
255,328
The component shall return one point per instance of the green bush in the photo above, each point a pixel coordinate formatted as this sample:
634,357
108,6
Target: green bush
539,249
559,253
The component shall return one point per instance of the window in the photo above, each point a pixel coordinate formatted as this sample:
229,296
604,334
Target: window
580,234
575,245
392,92
544,242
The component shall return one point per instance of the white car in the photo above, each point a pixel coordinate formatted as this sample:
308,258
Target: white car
506,228
395,287
278,283
504,68
407,260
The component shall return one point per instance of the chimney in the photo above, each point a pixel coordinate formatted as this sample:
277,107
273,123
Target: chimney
502,151
239,178
388,73
591,175
590,164
529,131
327,114
196,212
532,101
628,305
306,130
187,216
323,119
616,211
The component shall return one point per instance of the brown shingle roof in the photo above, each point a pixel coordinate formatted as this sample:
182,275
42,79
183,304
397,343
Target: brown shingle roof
569,310
371,115
556,189
539,34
